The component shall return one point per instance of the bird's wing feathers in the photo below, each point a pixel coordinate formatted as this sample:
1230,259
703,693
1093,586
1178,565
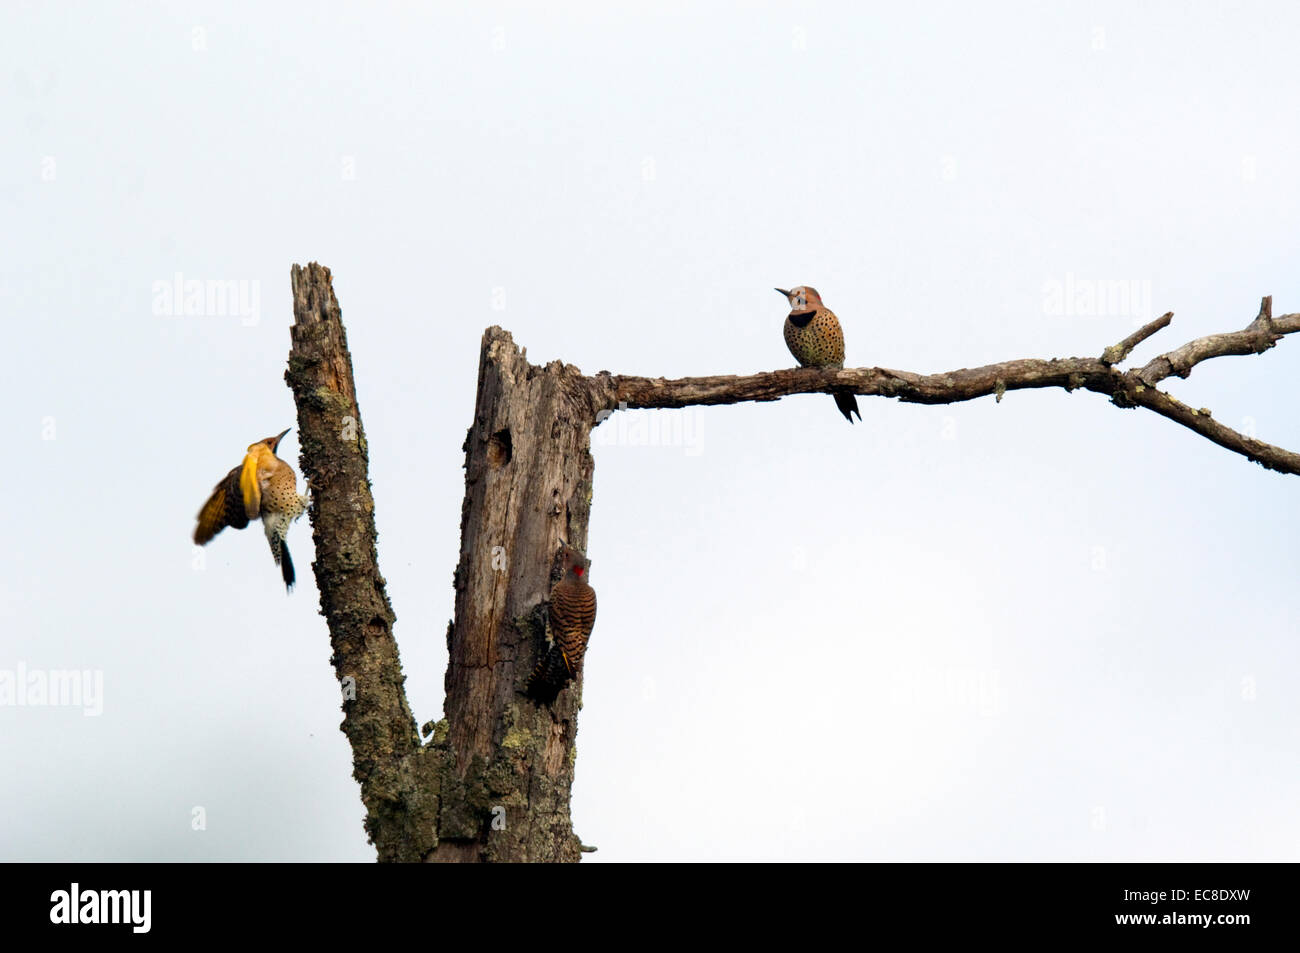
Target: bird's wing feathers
573,616
225,507
250,486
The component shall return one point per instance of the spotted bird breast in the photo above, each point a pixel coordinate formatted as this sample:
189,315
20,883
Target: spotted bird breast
815,339
280,488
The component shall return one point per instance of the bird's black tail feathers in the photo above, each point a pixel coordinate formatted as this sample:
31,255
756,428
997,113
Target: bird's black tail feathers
847,402
550,675
286,567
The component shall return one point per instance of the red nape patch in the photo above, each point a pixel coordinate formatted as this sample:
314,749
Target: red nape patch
577,570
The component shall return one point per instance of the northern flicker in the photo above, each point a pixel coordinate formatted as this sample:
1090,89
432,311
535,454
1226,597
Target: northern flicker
264,487
813,335
572,616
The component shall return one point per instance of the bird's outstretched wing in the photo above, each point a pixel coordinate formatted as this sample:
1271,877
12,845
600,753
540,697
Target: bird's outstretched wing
225,507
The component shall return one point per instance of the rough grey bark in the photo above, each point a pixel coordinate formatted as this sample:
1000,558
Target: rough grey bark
492,783
398,789
528,470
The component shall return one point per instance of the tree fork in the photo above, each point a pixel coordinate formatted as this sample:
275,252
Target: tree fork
493,781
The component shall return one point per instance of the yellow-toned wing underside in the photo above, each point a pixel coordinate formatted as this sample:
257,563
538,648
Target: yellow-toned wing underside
250,487
223,508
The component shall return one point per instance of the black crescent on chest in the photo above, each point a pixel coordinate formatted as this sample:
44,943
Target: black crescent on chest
801,319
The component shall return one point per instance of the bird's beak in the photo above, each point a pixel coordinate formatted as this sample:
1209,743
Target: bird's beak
782,291
276,442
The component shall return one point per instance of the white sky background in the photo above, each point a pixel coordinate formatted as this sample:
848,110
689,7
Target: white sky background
1046,629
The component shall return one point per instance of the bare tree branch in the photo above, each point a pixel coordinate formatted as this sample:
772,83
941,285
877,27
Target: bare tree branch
1256,338
1132,388
1117,353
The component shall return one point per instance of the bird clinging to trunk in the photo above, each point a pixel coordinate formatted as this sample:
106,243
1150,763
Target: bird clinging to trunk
571,619
264,487
813,335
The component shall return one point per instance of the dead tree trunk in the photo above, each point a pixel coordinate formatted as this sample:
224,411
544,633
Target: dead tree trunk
397,786
492,781
528,470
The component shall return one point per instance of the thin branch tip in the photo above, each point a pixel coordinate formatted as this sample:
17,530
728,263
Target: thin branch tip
1117,353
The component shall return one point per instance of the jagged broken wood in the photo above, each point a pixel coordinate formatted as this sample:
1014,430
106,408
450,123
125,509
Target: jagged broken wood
493,780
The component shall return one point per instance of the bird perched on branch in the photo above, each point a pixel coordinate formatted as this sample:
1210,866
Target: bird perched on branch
813,335
572,617
264,487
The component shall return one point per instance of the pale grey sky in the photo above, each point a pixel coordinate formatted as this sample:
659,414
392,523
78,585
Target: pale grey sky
1044,629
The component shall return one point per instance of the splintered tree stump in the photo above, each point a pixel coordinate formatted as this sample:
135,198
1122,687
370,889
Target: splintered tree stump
528,470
